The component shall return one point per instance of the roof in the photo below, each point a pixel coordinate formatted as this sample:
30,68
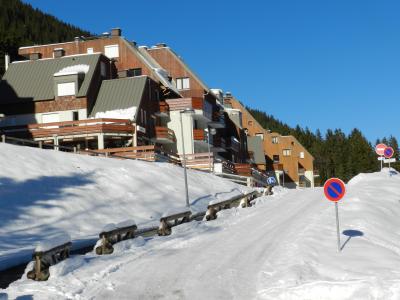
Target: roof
155,68
255,145
117,94
33,80
188,69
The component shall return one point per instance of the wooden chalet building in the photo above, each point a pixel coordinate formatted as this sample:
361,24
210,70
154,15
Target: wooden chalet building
208,105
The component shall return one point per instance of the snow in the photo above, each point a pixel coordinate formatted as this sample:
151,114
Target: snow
127,113
71,70
175,211
43,192
283,247
126,223
53,241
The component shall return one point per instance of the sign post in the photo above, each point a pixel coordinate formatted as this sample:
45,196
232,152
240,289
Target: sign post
388,153
334,190
380,149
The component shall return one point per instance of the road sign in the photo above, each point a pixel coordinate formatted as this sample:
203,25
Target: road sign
381,158
334,189
271,180
389,160
388,152
380,148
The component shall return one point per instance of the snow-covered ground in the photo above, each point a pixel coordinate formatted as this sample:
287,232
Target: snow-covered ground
45,192
284,247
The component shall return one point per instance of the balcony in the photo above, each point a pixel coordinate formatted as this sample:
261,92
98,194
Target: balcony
68,129
218,120
203,109
164,135
163,110
199,135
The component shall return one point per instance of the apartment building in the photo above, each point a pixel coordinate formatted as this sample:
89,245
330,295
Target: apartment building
291,162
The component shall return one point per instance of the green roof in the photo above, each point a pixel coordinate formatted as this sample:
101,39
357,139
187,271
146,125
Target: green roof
121,93
255,144
34,79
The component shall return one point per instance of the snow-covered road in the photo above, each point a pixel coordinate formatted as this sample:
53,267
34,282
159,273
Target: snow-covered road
284,247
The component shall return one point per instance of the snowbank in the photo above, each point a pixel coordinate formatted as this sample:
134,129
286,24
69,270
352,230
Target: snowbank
43,192
284,247
53,241
128,113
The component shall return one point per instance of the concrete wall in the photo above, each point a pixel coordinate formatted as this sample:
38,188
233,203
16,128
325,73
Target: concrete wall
175,125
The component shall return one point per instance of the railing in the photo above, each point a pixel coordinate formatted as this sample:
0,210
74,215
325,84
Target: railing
164,134
243,169
88,126
201,161
182,103
199,135
148,153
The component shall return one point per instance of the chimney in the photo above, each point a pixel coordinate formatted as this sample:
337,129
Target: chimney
228,95
58,52
116,32
35,56
160,45
6,61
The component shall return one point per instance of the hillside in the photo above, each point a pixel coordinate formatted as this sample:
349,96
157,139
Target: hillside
284,247
22,25
43,192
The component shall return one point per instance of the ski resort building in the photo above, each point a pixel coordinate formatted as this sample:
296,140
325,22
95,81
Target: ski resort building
291,162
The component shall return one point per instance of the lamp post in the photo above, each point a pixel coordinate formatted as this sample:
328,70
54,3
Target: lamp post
188,111
210,131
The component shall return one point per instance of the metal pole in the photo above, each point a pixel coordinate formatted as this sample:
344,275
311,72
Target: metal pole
283,176
390,173
337,227
184,164
381,162
209,150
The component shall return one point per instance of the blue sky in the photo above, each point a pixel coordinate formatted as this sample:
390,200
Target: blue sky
321,64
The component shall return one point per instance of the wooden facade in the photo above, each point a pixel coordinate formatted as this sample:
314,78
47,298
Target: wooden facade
282,153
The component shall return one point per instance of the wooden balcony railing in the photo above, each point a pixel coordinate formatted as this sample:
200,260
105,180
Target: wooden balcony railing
182,103
199,135
68,128
164,134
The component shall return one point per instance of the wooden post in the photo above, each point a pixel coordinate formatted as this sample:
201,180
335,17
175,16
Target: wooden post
3,138
103,244
78,147
38,266
74,149
40,144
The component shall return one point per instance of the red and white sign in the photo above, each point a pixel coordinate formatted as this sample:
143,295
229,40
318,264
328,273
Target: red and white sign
334,189
380,148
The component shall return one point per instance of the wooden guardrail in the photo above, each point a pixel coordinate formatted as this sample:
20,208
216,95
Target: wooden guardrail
114,233
49,253
217,205
176,216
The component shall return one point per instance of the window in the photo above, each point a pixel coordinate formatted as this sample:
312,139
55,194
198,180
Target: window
111,51
301,154
75,115
275,158
136,72
261,135
89,50
250,123
103,70
275,140
287,152
183,83
66,89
